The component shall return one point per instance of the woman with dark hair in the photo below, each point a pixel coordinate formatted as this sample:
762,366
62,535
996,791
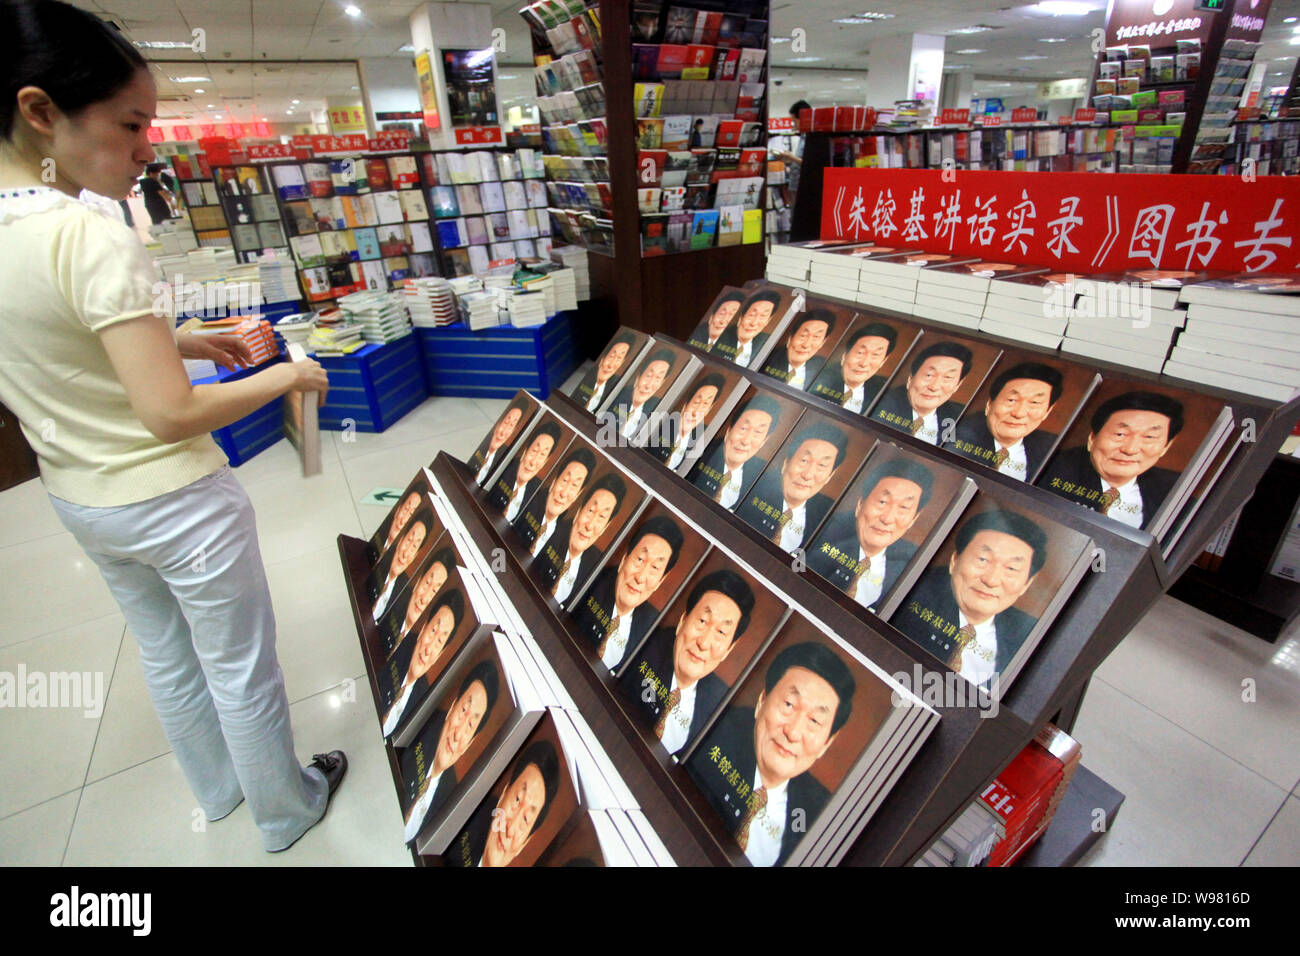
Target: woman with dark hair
93,372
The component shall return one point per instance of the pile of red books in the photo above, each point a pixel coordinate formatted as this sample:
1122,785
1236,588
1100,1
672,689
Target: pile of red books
1026,794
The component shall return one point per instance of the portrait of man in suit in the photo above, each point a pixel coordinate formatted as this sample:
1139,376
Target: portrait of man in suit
965,614
863,553
790,362
517,483
616,613
593,389
922,404
684,428
503,433
747,337
499,832
387,582
1116,472
637,401
709,332
1006,437
733,463
437,569
789,506
571,555
670,682
429,645
397,520
538,522
807,697
852,383
446,739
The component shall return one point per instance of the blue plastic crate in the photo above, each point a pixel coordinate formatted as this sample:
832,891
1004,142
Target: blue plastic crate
496,363
255,432
374,386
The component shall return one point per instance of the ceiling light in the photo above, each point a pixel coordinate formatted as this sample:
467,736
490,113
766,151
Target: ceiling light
406,48
804,59
165,44
216,116
978,28
1052,39
1289,20
296,102
288,112
1063,8
852,20
212,106
190,79
356,87
781,39
1033,56
1295,40
872,15
200,91
968,52
352,10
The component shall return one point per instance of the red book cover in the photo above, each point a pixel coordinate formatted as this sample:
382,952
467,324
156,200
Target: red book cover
699,55
751,162
707,25
377,175
823,119
725,62
672,59
650,167
729,132
844,119
184,169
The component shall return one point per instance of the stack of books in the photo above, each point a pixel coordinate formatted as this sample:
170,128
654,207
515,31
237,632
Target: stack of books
430,302
463,285
832,273
546,286
333,335
1242,332
575,258
278,279
1026,795
565,289
789,263
1126,317
1030,307
479,310
296,328
527,309
257,335
382,316
888,276
969,841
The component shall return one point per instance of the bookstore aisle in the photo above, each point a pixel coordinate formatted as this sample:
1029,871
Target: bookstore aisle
1164,721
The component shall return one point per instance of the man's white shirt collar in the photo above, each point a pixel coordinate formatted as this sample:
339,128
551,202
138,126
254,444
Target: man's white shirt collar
564,586
677,725
974,667
854,398
729,497
792,532
768,826
618,640
872,583
929,430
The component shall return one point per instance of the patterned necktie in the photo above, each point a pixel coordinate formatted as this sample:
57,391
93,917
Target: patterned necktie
757,801
730,480
917,425
1000,458
674,699
864,567
1108,500
564,569
610,631
786,515
964,637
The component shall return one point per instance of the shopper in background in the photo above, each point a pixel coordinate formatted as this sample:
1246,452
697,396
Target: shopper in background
158,201
96,379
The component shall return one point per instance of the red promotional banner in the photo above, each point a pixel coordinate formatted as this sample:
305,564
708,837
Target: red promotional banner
351,143
992,119
261,129
951,117
473,135
276,151
302,139
154,134
1085,114
1073,222
209,132
1024,114
780,124
181,133
235,130
217,148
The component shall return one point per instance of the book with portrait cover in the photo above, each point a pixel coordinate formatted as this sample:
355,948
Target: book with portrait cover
506,432
598,387
761,319
528,467
1017,417
447,624
993,588
532,805
591,528
701,407
718,319
809,741
803,479
392,573
1136,451
808,342
732,462
863,361
885,526
481,710
394,522
683,668
930,389
655,381
551,507
406,614
636,580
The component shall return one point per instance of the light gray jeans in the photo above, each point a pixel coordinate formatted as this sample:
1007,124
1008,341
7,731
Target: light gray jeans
186,570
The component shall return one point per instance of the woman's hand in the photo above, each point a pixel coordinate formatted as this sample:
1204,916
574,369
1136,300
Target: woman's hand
228,351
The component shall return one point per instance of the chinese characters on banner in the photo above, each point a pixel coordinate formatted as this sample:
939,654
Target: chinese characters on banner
1074,222
780,124
472,135
276,151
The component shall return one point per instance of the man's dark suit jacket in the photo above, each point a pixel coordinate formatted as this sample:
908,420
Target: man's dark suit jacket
895,400
623,404
467,847
375,585
499,496
714,463
829,386
428,742
768,490
535,511
934,593
592,615
664,450
550,572
657,657
974,430
729,344
1075,466
842,534
733,735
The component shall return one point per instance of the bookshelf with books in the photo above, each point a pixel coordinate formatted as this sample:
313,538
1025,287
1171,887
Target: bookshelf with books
248,204
1266,146
610,92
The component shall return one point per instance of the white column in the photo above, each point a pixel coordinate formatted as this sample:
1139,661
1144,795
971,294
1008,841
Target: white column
449,26
388,85
901,69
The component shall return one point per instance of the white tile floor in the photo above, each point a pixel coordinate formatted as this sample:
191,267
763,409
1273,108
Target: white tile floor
1209,777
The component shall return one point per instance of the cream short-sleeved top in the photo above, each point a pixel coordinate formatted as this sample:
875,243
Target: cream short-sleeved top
68,271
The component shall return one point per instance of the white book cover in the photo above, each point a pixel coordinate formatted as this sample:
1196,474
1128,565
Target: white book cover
388,207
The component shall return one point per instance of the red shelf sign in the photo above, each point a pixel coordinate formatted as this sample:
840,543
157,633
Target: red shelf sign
951,117
473,135
1025,114
276,151
1085,114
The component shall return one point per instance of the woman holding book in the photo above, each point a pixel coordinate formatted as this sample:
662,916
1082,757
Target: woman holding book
94,374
